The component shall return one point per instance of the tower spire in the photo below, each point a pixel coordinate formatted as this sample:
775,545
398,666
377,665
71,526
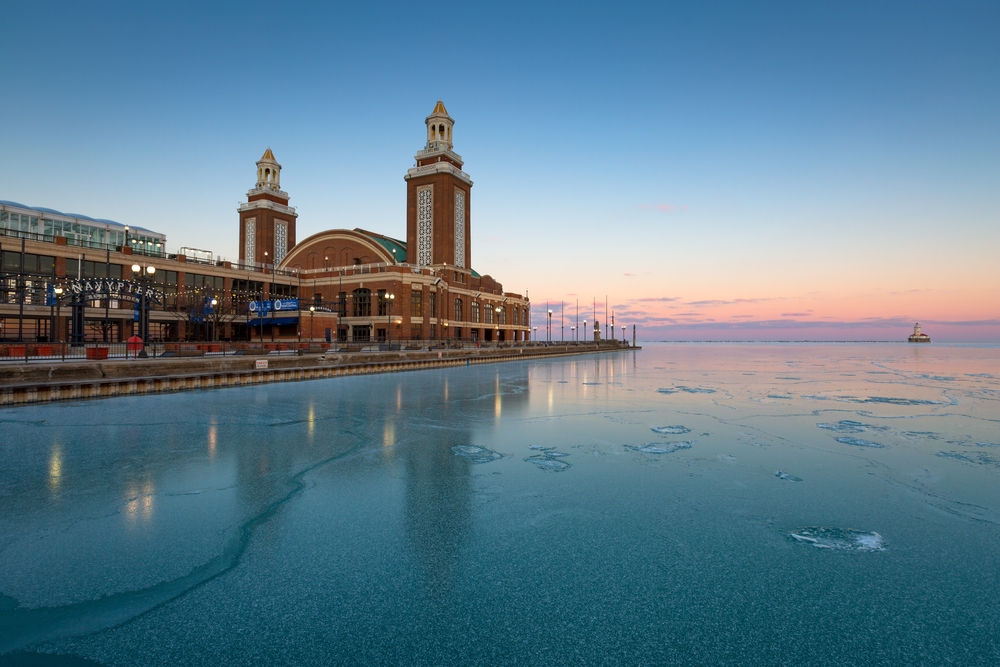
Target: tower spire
268,171
439,125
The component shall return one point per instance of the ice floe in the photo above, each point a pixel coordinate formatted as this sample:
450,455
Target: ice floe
670,430
476,454
842,539
845,426
662,447
781,474
859,442
979,458
547,463
689,390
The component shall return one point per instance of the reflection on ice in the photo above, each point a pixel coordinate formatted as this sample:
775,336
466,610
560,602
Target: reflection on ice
843,539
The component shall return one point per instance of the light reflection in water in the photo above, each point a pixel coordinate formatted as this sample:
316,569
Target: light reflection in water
312,419
497,399
139,505
399,398
389,434
55,468
212,440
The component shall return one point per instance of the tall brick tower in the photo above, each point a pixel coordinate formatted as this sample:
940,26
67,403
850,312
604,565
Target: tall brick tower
438,199
267,222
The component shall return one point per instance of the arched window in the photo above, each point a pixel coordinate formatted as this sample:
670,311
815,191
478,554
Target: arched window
362,302
458,309
489,313
475,311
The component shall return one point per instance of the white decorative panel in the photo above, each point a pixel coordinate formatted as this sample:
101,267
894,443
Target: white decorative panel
460,229
280,241
425,226
250,235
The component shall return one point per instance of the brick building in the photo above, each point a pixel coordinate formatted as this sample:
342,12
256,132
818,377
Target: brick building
349,285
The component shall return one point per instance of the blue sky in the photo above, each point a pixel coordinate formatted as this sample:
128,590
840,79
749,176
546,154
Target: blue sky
720,169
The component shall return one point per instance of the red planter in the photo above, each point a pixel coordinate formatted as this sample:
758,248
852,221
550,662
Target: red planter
97,353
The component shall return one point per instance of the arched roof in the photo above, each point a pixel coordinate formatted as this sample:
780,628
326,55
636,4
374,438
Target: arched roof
379,249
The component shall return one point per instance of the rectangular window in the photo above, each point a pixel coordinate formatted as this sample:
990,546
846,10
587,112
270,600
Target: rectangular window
433,333
433,305
416,303
414,332
474,311
342,305
383,303
250,240
459,229
503,315
425,225
489,313
280,241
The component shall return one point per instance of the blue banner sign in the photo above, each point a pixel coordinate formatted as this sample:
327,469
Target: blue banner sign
271,306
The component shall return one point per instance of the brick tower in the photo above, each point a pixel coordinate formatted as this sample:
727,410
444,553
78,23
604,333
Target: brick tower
267,222
438,199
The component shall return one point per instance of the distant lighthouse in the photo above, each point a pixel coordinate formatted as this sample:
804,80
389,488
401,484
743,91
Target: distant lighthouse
918,337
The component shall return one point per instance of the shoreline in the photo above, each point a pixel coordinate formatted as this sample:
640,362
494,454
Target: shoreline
42,382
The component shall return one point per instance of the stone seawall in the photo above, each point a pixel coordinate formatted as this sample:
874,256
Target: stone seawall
45,382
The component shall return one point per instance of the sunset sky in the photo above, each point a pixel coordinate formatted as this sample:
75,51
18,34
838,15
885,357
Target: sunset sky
745,171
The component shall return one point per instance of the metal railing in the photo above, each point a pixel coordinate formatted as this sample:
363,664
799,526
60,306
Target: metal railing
47,352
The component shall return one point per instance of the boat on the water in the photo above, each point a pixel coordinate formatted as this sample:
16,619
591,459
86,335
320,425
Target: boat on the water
918,336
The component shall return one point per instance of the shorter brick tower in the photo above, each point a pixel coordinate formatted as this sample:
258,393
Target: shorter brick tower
267,222
439,200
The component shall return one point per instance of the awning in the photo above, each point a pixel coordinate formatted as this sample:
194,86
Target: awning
273,321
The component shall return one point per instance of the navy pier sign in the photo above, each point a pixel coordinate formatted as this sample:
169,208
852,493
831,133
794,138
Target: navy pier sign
91,289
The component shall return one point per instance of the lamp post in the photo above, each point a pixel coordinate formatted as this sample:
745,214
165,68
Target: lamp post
270,299
215,331
549,334
583,331
623,333
55,323
573,333
145,272
388,323
534,333
312,314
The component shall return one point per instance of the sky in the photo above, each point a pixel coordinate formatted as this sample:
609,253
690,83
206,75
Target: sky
710,171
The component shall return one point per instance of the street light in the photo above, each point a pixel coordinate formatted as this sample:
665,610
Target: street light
312,314
550,326
623,333
214,302
583,331
145,272
534,334
388,323
573,330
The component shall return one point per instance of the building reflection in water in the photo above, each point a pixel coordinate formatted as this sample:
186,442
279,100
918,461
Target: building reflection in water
439,487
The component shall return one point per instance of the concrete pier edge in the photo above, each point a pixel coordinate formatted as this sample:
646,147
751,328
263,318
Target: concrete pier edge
46,382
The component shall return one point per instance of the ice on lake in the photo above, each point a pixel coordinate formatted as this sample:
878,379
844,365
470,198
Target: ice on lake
417,518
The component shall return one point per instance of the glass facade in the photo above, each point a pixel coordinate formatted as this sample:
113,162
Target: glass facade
84,234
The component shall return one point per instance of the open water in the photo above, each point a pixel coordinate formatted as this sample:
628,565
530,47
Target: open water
683,504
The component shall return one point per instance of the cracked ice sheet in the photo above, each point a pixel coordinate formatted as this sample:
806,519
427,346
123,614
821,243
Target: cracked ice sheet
385,554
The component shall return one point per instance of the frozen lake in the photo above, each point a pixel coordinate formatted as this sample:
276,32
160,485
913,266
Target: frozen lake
683,504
